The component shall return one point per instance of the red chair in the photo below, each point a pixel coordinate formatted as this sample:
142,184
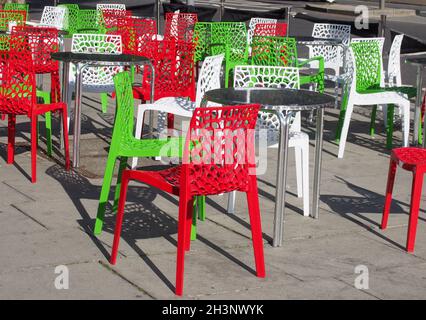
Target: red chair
110,17
18,96
218,158
278,29
180,26
414,160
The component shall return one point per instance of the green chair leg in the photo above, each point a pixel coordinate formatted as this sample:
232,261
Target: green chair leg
389,126
123,165
106,186
45,95
373,121
201,203
104,102
420,133
194,221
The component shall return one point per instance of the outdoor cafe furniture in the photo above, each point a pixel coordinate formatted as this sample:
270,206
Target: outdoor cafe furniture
283,103
83,61
200,175
16,7
252,26
111,6
71,18
90,21
367,89
18,97
278,29
278,77
180,26
7,16
414,160
54,17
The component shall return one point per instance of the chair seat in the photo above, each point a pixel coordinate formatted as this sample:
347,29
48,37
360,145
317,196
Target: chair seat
409,158
408,90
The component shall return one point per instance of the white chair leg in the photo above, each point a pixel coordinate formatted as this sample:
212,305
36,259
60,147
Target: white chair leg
345,129
406,122
305,173
138,131
299,174
385,114
231,202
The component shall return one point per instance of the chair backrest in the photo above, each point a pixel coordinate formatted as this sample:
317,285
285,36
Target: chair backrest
394,63
90,21
252,26
219,154
209,77
97,44
54,17
42,41
274,51
71,17
7,16
173,63
333,55
111,6
212,38
109,18
180,26
278,29
16,6
134,30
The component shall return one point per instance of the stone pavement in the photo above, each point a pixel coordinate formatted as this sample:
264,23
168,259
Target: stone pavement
49,224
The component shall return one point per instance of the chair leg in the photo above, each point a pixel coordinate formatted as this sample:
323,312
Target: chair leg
48,123
189,219
119,219
106,186
65,138
170,121
299,174
405,122
34,135
123,165
256,231
373,121
388,198
201,207
416,193
11,131
181,243
194,225
342,113
138,132
104,102
231,202
389,126
345,128
305,179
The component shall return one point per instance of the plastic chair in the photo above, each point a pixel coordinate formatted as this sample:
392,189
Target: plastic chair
18,97
279,77
53,17
90,21
414,160
366,88
16,7
124,144
200,175
111,6
97,79
282,52
278,29
180,26
110,18
6,16
229,38
71,18
252,26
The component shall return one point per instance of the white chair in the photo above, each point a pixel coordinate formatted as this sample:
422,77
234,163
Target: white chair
367,85
96,79
281,77
55,17
252,27
111,6
393,76
208,79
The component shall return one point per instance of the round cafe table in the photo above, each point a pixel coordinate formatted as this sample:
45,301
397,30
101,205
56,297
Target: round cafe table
85,60
420,63
284,103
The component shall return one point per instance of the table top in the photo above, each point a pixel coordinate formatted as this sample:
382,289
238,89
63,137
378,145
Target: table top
272,98
314,40
98,57
416,60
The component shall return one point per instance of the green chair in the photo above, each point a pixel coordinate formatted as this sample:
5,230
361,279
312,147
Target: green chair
90,21
73,10
125,145
17,7
282,52
229,38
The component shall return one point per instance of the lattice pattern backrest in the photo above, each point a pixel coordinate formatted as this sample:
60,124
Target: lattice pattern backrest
278,29
54,17
219,150
134,30
367,59
209,77
42,41
16,7
18,92
394,63
180,26
252,26
100,44
123,124
90,21
110,18
173,63
7,16
71,17
274,51
111,6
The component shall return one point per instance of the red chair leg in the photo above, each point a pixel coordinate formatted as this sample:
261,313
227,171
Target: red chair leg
2,116
416,194
66,141
256,231
190,207
181,244
119,219
170,121
11,131
34,139
389,189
